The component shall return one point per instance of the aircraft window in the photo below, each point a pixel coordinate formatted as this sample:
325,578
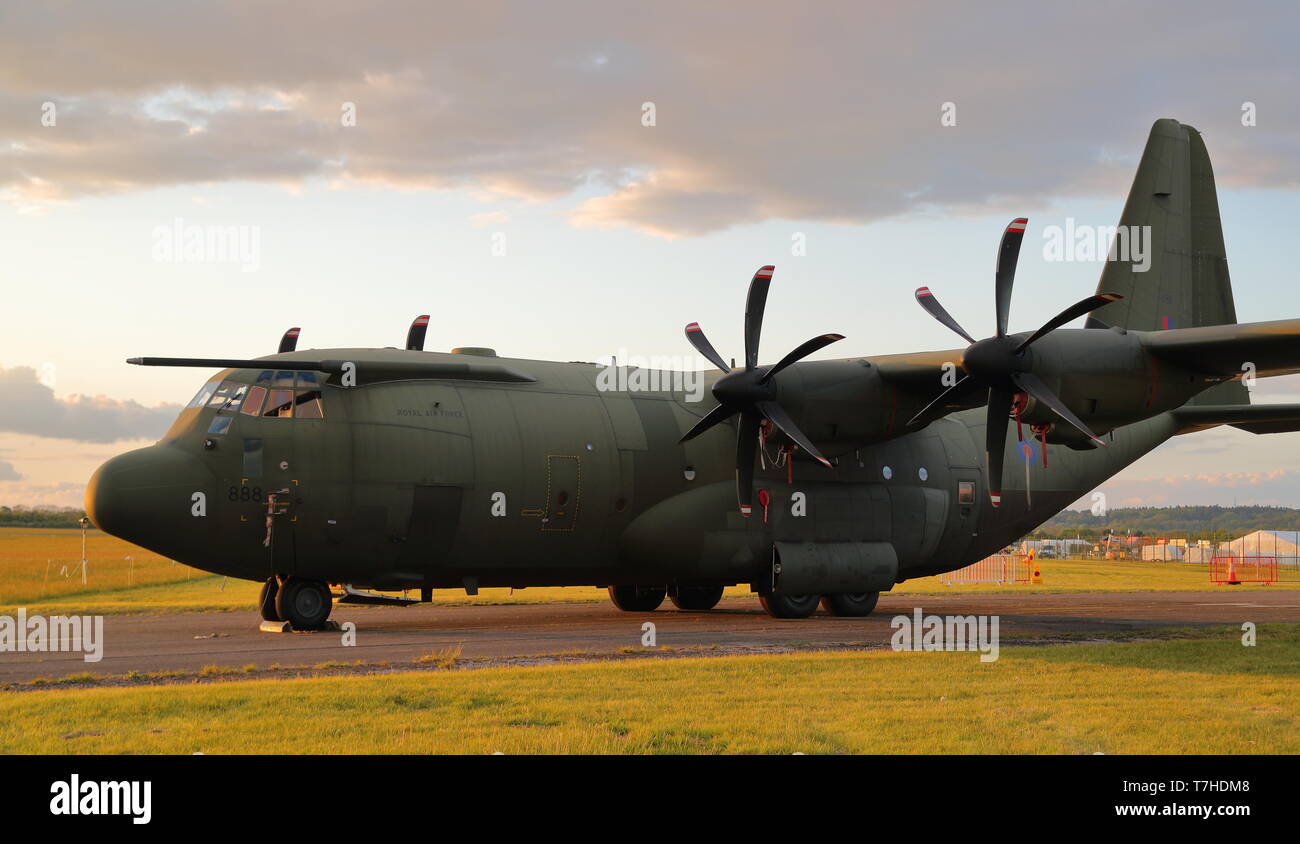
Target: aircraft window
219,424
307,405
264,378
308,381
279,404
204,393
223,392
283,379
253,404
235,399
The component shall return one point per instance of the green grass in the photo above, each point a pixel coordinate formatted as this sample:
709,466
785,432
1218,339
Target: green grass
29,579
1182,695
1061,576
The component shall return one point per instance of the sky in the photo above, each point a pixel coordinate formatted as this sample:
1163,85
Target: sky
573,181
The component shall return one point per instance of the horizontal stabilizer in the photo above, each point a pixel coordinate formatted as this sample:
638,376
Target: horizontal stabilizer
1255,418
1273,348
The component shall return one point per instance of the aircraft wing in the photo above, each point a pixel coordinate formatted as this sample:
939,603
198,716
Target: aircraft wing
1255,418
1273,347
922,370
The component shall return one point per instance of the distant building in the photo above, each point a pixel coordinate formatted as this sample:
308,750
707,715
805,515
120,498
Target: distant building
1282,544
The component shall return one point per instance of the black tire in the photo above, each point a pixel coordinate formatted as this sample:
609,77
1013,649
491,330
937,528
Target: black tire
637,598
305,604
852,605
696,598
266,600
789,606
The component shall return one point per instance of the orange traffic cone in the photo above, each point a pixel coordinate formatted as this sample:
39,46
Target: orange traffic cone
1232,572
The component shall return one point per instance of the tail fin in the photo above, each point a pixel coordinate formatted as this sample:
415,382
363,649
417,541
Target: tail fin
1186,282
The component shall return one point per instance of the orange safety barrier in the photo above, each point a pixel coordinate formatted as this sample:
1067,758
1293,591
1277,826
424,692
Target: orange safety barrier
1000,568
1235,569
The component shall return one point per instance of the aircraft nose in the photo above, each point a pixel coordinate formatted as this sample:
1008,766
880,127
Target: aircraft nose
135,493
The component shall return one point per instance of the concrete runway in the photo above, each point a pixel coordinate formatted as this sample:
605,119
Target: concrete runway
190,641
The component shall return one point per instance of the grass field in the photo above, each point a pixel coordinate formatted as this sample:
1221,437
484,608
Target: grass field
1197,695
39,570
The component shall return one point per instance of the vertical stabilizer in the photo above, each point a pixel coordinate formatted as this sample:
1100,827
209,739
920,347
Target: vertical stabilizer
1186,284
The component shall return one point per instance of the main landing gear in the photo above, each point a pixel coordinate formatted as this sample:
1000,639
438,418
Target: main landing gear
305,604
778,605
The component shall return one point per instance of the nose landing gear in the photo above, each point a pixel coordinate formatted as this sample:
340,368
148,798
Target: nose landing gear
305,604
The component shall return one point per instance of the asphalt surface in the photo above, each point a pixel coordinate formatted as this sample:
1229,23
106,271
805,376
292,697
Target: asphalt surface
191,641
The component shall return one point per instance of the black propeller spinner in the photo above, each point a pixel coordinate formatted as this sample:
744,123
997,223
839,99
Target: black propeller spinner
1001,363
751,391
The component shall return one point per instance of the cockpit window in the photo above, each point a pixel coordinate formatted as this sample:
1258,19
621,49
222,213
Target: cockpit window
219,424
235,398
306,405
283,379
308,381
253,402
222,393
204,394
280,403
264,378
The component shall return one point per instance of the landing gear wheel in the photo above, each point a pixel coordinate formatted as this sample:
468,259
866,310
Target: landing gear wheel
696,598
637,598
266,600
304,603
851,605
789,606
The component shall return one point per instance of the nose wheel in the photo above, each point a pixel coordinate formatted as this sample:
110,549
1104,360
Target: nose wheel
305,604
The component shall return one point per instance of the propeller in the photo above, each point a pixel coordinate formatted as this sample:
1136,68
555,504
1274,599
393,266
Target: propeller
1001,364
289,341
751,391
415,334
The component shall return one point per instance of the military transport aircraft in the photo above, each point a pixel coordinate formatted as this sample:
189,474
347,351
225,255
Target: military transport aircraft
377,471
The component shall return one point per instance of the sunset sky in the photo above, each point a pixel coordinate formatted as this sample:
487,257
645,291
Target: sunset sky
521,128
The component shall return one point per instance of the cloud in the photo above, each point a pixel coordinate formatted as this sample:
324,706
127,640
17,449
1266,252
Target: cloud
8,472
31,407
1275,487
760,113
62,494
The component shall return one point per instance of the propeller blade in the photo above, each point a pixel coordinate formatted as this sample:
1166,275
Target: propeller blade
782,420
995,443
1076,310
415,334
1008,254
800,353
950,398
746,447
931,304
754,306
1032,384
695,334
721,413
289,341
